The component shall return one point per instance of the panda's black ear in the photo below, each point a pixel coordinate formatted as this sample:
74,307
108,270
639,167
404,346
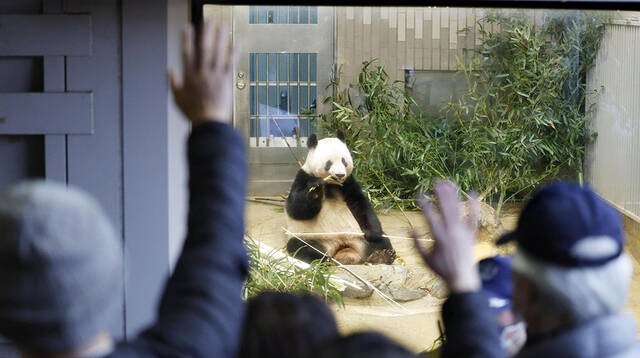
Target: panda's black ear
340,135
312,141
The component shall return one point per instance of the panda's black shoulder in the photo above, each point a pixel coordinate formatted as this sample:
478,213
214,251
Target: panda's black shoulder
351,187
302,177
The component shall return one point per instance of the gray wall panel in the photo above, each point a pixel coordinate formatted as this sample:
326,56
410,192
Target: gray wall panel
46,113
123,159
38,35
144,100
21,74
21,157
95,161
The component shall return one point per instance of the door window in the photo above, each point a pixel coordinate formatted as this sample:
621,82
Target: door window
282,91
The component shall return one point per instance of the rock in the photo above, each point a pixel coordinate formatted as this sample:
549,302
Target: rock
402,294
395,281
489,223
357,289
437,288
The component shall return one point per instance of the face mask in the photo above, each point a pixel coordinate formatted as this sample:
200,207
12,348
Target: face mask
513,337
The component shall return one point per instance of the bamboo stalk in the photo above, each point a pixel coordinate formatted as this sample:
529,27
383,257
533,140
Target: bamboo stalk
338,233
265,202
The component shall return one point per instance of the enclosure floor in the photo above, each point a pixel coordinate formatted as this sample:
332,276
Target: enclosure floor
415,323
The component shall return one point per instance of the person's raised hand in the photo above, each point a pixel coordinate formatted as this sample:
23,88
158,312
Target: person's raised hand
205,91
452,254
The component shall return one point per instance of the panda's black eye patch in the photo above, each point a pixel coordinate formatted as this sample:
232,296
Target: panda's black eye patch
328,165
344,162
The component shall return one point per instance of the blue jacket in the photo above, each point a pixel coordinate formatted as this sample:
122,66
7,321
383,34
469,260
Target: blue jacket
201,310
472,331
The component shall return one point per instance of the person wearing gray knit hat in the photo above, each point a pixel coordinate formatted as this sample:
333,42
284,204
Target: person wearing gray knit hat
60,267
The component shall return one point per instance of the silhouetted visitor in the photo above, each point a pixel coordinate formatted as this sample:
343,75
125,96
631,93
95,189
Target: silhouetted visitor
364,345
286,325
571,277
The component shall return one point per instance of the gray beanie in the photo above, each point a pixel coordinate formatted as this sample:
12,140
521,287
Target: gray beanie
60,267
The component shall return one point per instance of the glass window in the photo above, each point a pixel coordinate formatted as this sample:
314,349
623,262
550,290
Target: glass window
262,14
252,67
252,100
271,15
283,70
312,99
293,67
273,100
283,127
253,14
263,126
304,15
284,99
253,128
304,67
293,99
313,15
283,14
293,14
304,99
262,67
501,101
262,100
273,66
313,66
304,127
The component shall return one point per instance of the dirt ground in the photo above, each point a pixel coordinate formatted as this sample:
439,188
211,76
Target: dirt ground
415,323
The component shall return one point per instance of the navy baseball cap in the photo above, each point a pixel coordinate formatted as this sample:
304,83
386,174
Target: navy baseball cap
568,225
495,273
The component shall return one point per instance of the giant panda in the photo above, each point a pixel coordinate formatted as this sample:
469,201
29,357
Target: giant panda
328,210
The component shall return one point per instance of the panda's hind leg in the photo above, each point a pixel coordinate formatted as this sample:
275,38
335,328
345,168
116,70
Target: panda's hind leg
380,251
302,251
348,256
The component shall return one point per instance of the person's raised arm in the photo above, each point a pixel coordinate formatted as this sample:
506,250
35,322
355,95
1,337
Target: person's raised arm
201,310
470,328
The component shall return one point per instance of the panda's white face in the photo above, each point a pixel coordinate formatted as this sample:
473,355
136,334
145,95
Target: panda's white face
329,159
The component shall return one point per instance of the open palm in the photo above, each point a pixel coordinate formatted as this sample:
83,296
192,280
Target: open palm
452,254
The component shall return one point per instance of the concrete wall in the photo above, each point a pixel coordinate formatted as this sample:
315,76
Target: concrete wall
613,163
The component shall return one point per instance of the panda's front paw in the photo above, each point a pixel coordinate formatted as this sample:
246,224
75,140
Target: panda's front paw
316,191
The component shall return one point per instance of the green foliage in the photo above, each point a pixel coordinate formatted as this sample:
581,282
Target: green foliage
267,273
385,135
521,123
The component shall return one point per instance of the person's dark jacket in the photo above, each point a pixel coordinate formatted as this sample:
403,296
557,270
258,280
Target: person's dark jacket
201,310
472,332
470,327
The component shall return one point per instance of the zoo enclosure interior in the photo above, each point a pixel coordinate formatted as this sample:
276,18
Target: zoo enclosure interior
501,100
